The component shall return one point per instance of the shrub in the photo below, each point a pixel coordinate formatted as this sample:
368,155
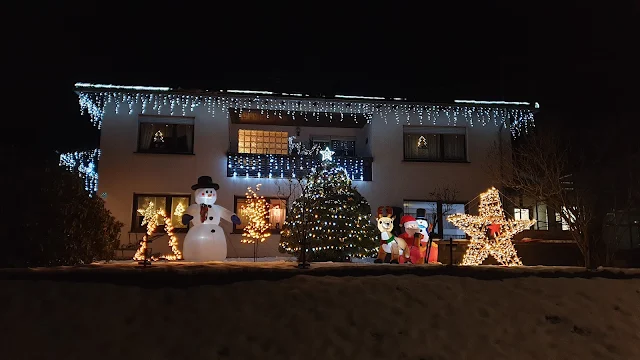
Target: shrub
56,222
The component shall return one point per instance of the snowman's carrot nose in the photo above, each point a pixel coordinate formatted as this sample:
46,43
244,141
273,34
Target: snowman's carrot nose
209,195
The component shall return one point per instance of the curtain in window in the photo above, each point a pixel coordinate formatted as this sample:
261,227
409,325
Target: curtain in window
422,146
185,133
454,147
146,136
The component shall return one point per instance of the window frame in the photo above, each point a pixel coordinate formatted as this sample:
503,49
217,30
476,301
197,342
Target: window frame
439,214
330,138
162,120
286,151
433,130
137,229
268,199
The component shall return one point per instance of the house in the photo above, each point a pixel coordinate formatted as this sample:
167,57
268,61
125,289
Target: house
156,141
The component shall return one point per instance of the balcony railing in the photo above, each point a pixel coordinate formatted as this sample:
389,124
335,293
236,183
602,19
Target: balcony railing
288,166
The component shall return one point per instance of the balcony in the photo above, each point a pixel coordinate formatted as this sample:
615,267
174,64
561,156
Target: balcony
288,166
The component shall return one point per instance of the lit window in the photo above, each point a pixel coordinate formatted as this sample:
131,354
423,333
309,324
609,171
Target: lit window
563,221
431,209
277,213
435,143
521,214
166,134
146,207
341,146
263,142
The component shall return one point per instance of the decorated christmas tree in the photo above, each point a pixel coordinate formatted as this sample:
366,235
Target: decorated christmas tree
330,219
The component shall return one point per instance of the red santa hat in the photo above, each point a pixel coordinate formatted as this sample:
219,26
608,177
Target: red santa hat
408,220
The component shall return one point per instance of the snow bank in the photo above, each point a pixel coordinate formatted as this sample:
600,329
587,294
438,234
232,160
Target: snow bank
324,317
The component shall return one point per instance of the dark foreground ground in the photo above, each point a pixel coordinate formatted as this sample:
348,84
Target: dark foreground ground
332,311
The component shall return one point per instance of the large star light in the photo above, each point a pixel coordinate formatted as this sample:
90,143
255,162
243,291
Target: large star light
490,232
326,154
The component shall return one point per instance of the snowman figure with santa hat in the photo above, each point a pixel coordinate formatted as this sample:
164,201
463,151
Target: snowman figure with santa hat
205,241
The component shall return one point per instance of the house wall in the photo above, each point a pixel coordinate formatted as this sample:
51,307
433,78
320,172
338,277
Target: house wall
124,172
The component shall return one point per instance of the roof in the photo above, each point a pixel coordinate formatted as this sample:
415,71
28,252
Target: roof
162,89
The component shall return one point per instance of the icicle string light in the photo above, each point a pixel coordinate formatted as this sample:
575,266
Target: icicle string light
94,100
490,231
85,163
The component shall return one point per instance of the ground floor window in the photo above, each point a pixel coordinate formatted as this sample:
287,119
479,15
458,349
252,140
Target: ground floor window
436,213
146,207
277,213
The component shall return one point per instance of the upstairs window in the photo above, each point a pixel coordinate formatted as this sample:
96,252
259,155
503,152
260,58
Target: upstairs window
341,146
263,142
433,143
165,134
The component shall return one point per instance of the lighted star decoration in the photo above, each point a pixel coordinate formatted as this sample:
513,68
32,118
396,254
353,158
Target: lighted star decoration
490,232
326,154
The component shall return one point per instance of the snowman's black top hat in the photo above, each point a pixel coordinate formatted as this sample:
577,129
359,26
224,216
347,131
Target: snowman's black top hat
421,214
205,182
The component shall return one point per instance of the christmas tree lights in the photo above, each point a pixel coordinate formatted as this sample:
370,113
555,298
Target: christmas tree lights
490,231
94,100
257,229
331,217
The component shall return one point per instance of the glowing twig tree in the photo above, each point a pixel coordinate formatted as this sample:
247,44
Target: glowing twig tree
257,229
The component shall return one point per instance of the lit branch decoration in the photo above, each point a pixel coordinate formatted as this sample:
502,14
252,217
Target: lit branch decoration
150,219
257,228
490,232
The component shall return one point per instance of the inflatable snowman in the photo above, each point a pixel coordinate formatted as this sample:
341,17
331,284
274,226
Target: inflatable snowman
205,241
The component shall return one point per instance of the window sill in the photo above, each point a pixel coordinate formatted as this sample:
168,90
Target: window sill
159,231
273,232
438,161
162,153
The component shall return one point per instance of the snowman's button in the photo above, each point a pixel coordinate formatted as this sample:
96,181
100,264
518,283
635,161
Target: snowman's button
209,206
210,217
213,230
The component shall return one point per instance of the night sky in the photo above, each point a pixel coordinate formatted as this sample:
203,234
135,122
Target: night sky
578,59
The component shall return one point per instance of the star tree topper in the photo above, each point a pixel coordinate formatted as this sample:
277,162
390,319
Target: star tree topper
326,154
490,231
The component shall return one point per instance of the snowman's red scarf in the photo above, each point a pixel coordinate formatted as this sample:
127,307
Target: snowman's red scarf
204,211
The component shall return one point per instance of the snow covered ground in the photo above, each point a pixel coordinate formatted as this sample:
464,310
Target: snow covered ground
321,317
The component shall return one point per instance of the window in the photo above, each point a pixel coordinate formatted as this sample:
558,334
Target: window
450,230
167,134
263,142
435,211
521,214
563,221
341,146
431,143
277,213
172,205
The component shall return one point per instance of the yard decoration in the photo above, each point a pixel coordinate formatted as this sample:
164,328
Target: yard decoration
205,240
490,232
389,244
257,229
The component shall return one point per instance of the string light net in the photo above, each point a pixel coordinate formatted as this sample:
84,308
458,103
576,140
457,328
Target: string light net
490,232
333,216
255,209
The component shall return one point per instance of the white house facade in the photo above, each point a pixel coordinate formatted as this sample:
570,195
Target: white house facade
155,143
